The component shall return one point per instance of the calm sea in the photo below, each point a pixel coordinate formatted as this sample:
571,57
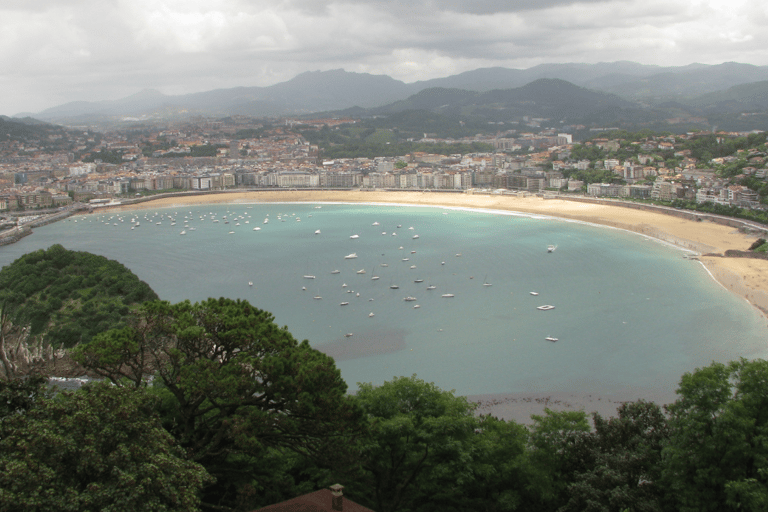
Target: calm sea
630,313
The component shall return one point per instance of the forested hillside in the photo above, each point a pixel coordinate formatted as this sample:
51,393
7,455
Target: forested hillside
67,297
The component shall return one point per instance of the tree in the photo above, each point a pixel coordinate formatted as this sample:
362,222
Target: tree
622,461
717,457
21,394
233,385
418,450
499,468
553,456
100,448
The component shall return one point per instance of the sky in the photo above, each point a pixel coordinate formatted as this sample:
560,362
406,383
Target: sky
56,51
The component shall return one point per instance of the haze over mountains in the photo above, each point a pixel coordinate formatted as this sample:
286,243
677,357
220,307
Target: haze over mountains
573,91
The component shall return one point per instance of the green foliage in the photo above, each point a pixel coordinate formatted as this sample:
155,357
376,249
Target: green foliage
21,394
106,156
499,468
553,454
233,386
621,461
757,245
706,147
69,296
722,209
418,446
717,457
101,448
391,135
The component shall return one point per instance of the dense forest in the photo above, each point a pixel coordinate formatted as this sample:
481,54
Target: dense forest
66,297
212,406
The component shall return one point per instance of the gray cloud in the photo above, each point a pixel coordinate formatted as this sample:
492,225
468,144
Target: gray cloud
53,51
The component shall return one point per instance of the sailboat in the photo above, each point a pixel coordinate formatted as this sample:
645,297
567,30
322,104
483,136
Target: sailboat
485,281
374,277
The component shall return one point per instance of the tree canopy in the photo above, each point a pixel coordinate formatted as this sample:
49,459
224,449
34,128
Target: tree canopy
717,457
69,296
100,449
233,385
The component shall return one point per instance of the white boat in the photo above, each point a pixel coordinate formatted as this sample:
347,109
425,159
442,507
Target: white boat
412,267
350,256
317,297
534,293
551,248
485,282
257,229
349,335
250,283
550,338
415,236
383,232
406,259
410,227
308,276
317,232
409,299
546,307
371,314
431,287
375,224
344,285
353,237
447,295
418,280
384,265
344,304
361,271
335,271
416,306
183,233
394,286
266,221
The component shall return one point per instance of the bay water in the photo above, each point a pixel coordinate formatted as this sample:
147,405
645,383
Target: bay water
630,312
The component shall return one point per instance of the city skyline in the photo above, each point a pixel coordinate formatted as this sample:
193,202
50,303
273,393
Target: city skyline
54,52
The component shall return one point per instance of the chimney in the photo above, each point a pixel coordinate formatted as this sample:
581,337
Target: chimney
337,501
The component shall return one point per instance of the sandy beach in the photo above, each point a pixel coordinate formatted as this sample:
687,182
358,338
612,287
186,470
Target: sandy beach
745,277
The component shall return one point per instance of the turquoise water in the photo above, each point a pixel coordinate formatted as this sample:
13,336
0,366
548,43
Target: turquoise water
630,313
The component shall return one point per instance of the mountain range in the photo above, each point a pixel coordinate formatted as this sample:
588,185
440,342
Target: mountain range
600,92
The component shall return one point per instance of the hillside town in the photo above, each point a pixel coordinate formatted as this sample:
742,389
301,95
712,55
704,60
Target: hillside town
86,166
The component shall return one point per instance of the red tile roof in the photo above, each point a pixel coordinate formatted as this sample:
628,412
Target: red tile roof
318,501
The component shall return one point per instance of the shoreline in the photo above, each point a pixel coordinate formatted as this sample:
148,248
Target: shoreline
708,241
745,277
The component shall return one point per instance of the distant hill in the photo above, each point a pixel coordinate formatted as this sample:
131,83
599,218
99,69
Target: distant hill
549,98
744,98
681,83
341,91
26,129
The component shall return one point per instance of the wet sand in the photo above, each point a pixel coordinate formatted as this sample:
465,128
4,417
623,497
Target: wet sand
745,277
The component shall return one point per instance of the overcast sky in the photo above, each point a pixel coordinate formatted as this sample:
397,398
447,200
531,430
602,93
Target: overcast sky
55,51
